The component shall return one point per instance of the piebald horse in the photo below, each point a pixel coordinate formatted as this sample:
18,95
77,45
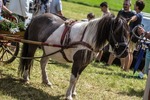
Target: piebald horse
79,45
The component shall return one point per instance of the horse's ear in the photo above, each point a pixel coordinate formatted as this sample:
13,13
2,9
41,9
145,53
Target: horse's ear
120,17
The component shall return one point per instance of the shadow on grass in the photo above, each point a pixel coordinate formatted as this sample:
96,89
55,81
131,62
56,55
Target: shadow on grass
133,92
12,87
59,64
124,75
56,63
111,71
103,66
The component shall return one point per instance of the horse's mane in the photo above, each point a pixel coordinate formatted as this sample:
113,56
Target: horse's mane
103,29
105,25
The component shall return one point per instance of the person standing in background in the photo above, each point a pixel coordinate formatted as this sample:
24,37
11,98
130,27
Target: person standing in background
20,7
105,11
126,13
137,20
56,7
90,16
4,2
146,96
3,7
43,6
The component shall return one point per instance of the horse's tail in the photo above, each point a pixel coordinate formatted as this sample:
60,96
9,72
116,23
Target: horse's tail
24,52
28,50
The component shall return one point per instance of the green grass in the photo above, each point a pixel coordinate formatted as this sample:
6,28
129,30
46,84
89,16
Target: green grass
79,12
74,11
113,4
97,82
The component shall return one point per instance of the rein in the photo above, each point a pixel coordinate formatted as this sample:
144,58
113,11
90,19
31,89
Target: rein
72,45
116,43
65,38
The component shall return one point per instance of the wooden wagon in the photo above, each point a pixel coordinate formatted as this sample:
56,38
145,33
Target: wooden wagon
10,43
9,47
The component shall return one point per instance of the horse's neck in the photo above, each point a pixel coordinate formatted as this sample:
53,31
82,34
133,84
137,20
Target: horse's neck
90,32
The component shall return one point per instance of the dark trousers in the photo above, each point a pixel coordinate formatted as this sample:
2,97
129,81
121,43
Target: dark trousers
4,1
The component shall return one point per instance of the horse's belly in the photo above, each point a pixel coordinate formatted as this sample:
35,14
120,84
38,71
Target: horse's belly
58,56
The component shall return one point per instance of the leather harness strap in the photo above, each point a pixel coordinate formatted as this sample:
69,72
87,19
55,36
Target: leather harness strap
83,33
66,32
81,43
68,26
64,56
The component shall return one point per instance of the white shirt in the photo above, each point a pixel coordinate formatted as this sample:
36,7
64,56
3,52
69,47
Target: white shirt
20,7
55,6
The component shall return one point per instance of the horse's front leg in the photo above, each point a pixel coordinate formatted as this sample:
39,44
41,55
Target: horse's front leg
71,87
76,71
81,60
43,63
74,93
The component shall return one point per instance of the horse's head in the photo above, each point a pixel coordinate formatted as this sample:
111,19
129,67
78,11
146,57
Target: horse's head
118,36
116,31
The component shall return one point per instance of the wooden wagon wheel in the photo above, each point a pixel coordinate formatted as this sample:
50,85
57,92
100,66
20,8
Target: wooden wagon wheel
8,51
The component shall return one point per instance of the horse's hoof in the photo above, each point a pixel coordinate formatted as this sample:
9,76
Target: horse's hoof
47,84
69,98
25,77
74,94
24,81
27,82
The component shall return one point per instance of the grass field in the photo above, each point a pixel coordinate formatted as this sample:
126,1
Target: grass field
113,4
97,81
80,11
73,11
